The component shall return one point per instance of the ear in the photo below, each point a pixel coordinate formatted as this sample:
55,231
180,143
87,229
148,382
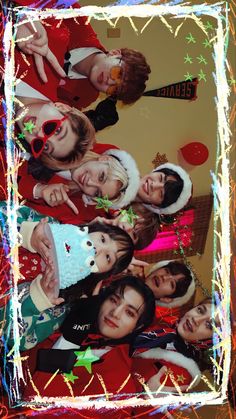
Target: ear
62,107
166,300
115,52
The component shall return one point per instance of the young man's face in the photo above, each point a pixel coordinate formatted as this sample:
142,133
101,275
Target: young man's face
100,75
94,179
119,314
163,283
60,144
196,324
152,187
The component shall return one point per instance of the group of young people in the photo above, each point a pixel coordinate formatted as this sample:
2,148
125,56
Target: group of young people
79,306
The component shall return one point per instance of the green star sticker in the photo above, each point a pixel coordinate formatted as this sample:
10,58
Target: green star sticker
188,76
207,44
71,377
232,81
190,39
21,136
201,59
103,203
128,216
208,25
202,76
188,59
29,126
85,359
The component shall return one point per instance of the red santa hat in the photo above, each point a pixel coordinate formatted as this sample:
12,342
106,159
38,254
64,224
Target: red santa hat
184,196
178,363
178,301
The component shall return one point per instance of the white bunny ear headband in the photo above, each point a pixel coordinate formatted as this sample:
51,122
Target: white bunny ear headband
184,196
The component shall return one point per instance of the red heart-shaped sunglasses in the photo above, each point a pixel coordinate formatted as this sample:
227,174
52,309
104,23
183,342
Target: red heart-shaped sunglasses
49,128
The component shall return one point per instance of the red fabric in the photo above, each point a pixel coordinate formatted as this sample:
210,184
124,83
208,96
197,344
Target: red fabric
72,33
117,356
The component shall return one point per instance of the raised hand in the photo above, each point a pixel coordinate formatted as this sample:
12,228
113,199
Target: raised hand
31,38
56,194
50,285
40,242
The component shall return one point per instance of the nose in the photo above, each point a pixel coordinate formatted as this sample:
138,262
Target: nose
116,312
156,184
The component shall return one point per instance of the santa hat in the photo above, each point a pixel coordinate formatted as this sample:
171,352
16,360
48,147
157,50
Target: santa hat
185,194
178,301
167,356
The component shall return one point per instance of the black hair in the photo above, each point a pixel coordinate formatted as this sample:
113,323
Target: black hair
175,268
138,285
173,188
126,249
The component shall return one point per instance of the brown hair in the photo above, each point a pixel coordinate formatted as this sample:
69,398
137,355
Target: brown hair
146,226
136,73
81,126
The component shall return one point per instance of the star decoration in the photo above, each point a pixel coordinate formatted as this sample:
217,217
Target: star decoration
159,159
181,378
190,39
208,25
207,44
188,59
232,81
128,216
29,126
188,76
71,377
202,76
85,359
103,203
21,136
201,59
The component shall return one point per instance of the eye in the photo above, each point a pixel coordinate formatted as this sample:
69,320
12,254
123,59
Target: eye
46,147
130,313
103,238
209,325
102,177
199,309
108,258
113,299
58,131
86,244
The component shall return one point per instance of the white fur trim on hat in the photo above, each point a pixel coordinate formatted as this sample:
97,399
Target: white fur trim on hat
184,196
176,358
178,301
129,164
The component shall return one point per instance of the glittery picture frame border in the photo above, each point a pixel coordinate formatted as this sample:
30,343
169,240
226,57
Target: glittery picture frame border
221,188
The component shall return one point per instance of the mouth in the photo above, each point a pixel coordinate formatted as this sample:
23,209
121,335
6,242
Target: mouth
188,326
100,78
33,119
110,323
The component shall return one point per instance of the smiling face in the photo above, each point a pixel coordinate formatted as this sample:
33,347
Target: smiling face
93,178
119,313
100,74
196,324
62,142
106,250
152,187
163,283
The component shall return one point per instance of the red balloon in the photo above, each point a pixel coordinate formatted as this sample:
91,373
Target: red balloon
195,153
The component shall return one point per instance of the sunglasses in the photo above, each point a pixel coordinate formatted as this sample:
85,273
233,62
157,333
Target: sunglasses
116,75
49,128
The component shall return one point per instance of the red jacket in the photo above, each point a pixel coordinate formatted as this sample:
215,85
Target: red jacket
71,34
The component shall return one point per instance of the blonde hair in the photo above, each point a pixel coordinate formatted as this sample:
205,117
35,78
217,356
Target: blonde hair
116,170
81,126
